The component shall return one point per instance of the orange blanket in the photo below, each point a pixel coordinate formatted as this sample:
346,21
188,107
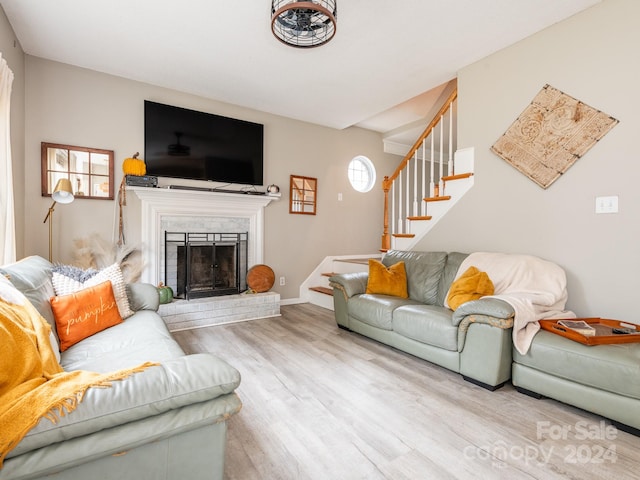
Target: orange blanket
32,382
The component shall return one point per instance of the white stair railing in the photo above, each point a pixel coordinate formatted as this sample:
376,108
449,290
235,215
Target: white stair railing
420,175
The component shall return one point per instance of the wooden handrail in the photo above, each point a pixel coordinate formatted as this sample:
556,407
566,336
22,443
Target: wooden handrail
436,119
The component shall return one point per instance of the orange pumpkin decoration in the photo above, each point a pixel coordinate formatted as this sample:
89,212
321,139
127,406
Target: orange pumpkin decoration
134,166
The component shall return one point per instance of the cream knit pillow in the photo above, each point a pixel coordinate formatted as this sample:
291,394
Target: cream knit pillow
64,285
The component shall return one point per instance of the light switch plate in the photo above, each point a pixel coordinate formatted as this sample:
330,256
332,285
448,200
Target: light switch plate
607,204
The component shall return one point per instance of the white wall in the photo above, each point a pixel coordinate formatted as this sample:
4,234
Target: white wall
592,56
69,105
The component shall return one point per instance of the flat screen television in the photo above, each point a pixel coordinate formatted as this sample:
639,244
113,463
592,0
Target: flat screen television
182,143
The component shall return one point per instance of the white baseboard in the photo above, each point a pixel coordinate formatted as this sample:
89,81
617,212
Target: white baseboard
292,301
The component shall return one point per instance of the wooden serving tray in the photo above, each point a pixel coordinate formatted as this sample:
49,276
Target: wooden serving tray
604,331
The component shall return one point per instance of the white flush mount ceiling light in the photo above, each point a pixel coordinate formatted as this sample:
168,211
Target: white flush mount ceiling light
304,24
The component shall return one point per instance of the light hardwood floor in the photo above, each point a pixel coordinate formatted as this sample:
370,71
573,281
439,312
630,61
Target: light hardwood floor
322,403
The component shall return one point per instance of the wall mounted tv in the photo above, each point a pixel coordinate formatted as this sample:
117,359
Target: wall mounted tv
182,143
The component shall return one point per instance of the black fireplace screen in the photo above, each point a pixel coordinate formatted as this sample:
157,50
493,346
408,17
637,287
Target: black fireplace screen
205,264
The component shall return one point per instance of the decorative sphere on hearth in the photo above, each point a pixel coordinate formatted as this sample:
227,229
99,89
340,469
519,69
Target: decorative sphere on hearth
273,188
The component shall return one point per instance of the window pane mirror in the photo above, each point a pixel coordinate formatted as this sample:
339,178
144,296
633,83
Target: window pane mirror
90,170
303,195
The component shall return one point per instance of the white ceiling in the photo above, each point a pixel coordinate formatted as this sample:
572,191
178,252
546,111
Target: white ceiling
384,54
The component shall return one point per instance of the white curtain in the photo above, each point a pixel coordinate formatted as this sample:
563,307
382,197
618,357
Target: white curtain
7,218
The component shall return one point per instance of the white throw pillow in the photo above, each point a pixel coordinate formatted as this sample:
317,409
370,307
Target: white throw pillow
64,285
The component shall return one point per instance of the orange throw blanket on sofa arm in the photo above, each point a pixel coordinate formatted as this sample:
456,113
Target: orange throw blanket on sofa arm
32,382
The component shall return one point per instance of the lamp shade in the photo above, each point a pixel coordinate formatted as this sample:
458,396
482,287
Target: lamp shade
63,193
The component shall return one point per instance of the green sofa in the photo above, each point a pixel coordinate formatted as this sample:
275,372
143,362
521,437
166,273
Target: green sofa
474,340
167,422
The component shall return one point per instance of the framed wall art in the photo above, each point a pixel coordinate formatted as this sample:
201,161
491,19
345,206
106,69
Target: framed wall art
551,134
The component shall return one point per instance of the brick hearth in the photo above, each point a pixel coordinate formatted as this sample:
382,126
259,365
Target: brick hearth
205,312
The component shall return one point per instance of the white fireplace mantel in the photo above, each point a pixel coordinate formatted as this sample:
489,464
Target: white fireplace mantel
159,202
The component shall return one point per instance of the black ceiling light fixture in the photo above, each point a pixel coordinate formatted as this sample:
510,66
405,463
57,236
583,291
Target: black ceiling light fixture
304,24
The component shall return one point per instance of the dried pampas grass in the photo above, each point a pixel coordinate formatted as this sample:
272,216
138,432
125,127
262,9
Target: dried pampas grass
95,252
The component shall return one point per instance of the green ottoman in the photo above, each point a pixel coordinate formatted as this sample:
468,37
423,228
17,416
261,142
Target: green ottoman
603,379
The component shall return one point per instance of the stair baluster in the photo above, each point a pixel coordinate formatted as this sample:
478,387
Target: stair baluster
407,197
450,164
432,186
415,183
400,223
440,183
423,205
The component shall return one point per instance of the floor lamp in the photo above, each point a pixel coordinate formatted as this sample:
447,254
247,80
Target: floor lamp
63,193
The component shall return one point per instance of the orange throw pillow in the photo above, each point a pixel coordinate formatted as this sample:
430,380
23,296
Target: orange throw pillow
85,312
471,285
387,281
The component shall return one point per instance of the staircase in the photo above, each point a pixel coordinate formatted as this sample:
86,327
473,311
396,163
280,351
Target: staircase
409,229
429,180
316,290
427,183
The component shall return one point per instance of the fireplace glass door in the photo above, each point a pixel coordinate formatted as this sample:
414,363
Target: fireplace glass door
205,264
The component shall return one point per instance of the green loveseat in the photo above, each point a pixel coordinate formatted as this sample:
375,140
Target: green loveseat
474,340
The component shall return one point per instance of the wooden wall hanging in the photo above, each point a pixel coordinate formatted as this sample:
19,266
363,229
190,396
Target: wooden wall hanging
551,134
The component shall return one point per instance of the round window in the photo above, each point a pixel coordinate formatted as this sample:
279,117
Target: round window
362,174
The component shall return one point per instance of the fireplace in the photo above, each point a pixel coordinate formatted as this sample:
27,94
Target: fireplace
175,210
205,264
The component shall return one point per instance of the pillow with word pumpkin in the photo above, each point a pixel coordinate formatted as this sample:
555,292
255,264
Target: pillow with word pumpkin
66,281
83,313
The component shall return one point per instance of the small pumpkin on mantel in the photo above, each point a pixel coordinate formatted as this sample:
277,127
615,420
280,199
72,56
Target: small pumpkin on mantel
165,292
134,166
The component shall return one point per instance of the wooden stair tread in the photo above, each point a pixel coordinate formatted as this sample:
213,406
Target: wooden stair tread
325,290
360,261
427,217
437,199
459,176
404,235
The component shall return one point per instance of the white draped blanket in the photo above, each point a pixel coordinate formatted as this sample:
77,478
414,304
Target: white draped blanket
535,288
